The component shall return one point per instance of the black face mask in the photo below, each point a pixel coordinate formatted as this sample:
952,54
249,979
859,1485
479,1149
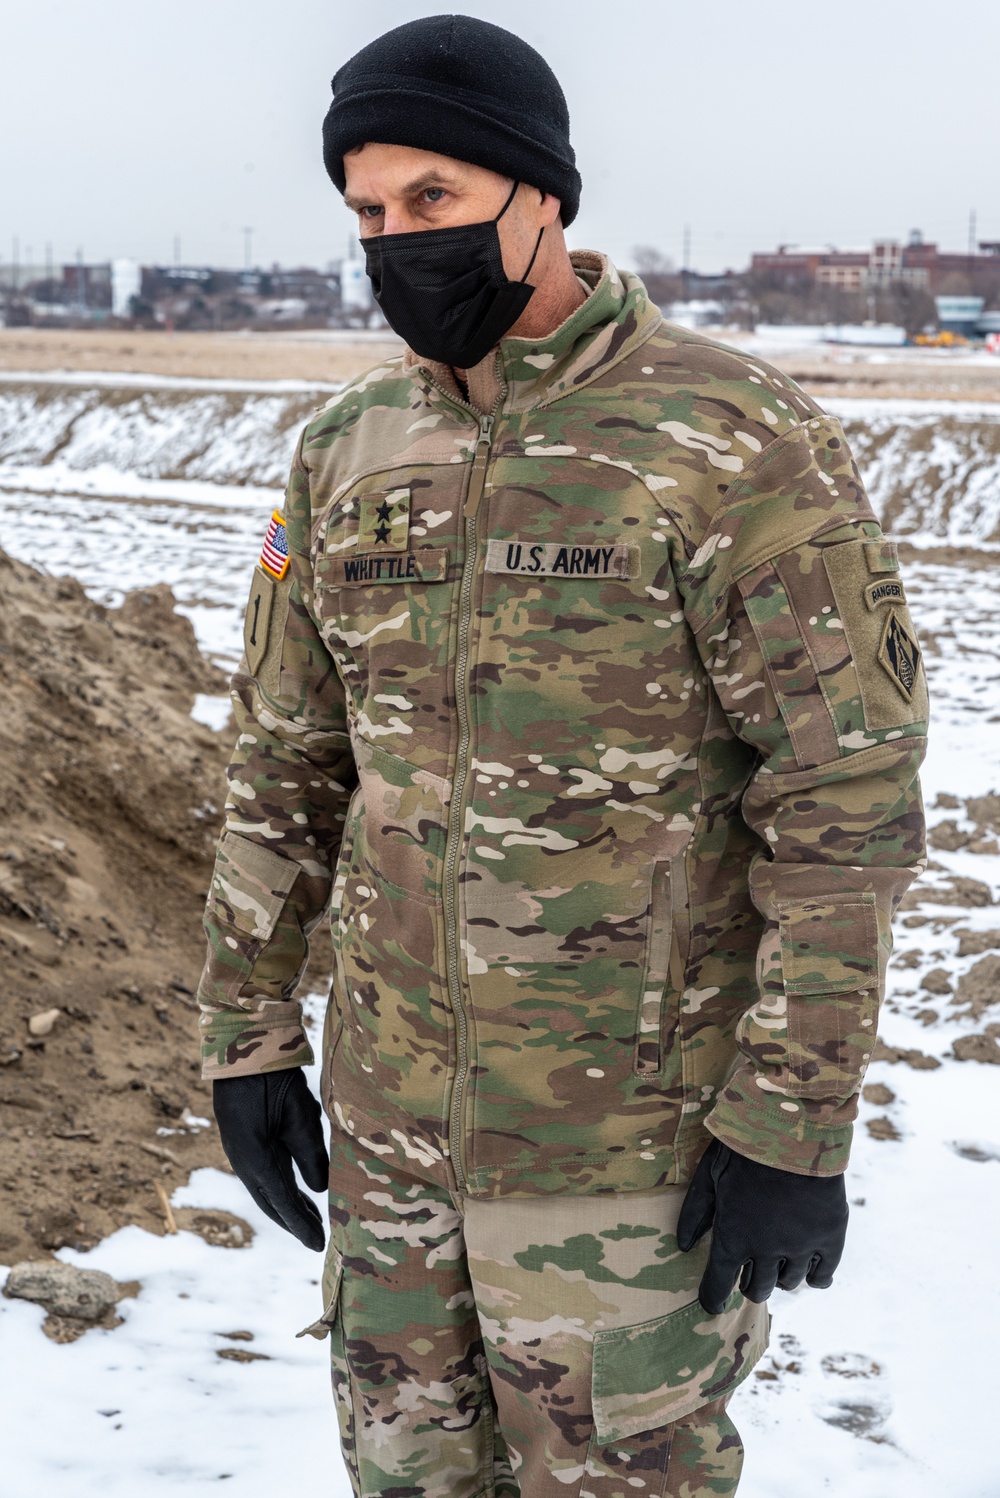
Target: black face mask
445,291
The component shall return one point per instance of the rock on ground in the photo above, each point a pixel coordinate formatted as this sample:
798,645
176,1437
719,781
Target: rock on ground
64,1290
979,988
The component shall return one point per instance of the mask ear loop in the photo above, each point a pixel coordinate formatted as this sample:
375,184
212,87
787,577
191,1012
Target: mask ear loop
538,241
534,255
510,200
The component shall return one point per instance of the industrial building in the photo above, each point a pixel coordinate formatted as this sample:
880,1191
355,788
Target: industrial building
917,263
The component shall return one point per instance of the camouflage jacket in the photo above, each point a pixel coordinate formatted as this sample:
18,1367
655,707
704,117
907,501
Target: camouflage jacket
596,723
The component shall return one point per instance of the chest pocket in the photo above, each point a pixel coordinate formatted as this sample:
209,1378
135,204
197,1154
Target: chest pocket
385,574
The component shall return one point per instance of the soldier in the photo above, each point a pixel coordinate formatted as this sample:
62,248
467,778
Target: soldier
580,688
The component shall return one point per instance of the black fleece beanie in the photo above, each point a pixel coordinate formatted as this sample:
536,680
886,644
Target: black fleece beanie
465,89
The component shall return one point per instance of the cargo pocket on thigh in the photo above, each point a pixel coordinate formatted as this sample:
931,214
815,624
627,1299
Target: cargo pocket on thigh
331,1324
659,1371
333,1277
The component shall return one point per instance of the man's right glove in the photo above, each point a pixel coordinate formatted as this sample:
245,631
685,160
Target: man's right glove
769,1227
265,1122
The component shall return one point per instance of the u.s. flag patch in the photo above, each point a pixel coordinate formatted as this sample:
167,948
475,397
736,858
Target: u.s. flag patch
274,552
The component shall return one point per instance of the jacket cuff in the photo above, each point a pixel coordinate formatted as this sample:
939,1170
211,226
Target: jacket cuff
237,1044
807,1136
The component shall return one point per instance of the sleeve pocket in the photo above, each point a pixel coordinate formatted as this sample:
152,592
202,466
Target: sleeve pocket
660,1371
829,946
250,885
830,969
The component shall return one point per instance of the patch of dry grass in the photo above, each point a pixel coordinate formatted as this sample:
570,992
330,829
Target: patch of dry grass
330,357
323,357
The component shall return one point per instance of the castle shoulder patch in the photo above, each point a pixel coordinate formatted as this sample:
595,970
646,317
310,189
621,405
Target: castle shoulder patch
899,654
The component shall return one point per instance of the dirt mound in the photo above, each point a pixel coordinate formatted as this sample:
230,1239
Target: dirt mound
110,802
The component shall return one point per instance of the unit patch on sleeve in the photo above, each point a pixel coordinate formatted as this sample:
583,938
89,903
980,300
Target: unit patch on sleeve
384,523
257,620
899,654
550,559
889,590
274,552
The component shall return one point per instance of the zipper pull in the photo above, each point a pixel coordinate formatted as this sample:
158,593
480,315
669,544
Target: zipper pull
477,478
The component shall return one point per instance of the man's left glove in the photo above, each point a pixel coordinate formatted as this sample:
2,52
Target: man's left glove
769,1227
266,1122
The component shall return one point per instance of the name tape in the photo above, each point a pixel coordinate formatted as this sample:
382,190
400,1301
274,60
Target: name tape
550,559
427,566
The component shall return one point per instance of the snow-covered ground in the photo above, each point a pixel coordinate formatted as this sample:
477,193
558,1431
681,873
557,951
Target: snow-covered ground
932,467
150,1407
883,1387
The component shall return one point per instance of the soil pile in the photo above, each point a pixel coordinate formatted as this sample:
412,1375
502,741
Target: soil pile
110,805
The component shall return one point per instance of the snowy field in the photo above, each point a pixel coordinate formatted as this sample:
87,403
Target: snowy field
883,1387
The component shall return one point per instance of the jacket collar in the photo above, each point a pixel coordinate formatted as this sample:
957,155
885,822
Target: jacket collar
616,318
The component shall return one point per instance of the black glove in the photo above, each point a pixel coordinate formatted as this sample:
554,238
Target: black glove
769,1227
266,1122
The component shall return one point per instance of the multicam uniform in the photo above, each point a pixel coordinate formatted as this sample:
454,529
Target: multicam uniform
604,686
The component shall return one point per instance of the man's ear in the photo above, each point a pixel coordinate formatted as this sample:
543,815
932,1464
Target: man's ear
550,209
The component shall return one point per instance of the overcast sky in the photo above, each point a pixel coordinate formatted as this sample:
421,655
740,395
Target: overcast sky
126,123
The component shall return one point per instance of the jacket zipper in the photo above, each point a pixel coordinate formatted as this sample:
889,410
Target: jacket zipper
477,483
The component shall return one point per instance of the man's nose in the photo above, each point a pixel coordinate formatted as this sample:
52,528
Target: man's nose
398,221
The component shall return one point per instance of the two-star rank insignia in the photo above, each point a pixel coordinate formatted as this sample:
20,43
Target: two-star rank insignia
385,521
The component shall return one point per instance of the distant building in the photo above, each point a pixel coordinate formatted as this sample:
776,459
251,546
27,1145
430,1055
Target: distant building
86,288
959,314
355,287
167,280
126,285
886,262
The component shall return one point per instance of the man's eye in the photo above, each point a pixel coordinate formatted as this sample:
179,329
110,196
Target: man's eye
372,212
434,194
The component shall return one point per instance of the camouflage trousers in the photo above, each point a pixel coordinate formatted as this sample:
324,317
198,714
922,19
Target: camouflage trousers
552,1346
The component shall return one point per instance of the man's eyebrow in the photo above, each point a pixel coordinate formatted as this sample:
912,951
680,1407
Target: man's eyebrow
429,179
419,184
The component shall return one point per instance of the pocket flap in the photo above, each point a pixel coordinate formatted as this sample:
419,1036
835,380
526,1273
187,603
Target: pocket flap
251,884
333,1278
652,1374
829,946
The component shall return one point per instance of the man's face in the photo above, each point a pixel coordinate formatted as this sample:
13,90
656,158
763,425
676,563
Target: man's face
400,190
